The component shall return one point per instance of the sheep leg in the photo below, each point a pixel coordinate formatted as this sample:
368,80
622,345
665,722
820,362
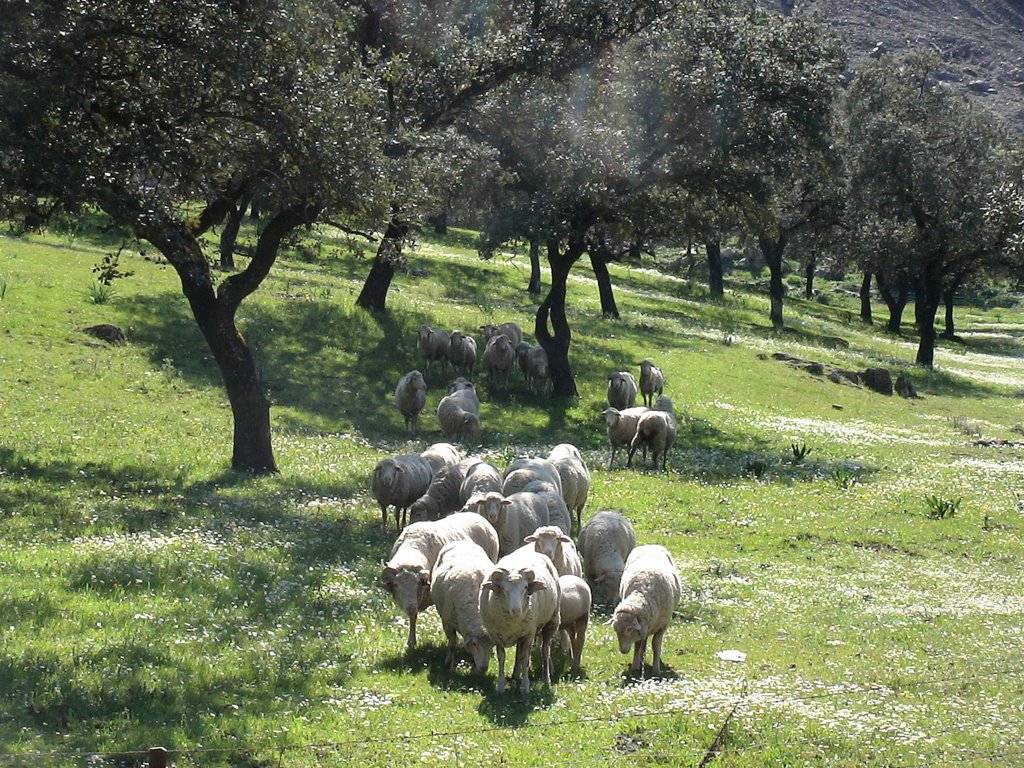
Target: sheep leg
410,644
500,652
611,459
579,637
639,651
656,648
522,667
546,638
449,659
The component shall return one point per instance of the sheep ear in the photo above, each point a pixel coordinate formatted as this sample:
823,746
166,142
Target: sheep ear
535,586
530,538
486,586
506,502
564,539
424,578
636,624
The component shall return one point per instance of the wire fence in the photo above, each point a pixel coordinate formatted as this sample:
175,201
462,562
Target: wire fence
703,755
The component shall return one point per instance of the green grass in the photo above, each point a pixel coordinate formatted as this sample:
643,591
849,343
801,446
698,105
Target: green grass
149,596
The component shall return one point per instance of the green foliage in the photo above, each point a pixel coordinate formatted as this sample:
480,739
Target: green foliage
845,477
800,451
941,508
99,292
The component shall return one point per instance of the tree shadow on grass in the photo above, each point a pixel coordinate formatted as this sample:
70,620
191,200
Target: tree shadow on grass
512,709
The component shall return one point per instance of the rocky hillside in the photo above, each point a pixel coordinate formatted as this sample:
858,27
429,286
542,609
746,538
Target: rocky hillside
981,41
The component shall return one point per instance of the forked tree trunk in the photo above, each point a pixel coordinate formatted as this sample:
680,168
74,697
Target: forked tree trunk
229,235
373,297
716,279
534,285
948,299
556,341
772,250
895,294
865,298
599,262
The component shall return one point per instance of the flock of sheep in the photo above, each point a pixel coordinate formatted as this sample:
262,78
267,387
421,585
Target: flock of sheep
493,550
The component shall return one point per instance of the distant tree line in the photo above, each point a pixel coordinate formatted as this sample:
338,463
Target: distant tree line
580,128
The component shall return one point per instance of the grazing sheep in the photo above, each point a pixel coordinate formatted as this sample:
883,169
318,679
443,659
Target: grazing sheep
655,430
522,356
513,331
604,543
533,362
575,477
665,404
432,346
517,516
441,455
458,413
406,575
461,383
443,495
574,615
410,397
622,428
525,471
649,593
398,482
499,357
519,600
462,353
461,568
480,478
551,540
621,390
652,381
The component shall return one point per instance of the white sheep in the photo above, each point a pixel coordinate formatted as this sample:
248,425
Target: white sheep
574,615
552,541
441,455
406,574
432,346
520,600
458,414
572,471
649,593
622,428
460,382
652,381
410,398
621,390
513,331
604,544
482,477
398,481
462,353
461,568
525,471
655,430
443,495
499,357
517,516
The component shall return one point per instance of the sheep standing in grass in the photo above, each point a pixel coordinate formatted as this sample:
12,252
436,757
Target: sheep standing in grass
432,346
499,358
574,614
481,478
652,381
406,575
656,430
513,331
442,496
575,477
440,455
552,541
538,472
649,593
621,390
517,516
458,413
455,583
462,353
533,362
622,428
398,482
604,543
410,398
518,601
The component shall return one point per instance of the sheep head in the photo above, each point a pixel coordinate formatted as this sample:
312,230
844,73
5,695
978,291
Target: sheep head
628,628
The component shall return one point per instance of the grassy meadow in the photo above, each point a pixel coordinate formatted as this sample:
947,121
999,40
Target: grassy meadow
149,596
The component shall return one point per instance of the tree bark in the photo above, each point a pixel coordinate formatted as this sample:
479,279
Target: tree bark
373,296
865,298
809,279
229,235
439,221
895,297
948,296
599,262
534,285
716,279
556,341
926,306
772,250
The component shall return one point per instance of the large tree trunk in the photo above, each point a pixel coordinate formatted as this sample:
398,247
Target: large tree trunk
229,235
557,343
374,295
895,297
599,262
926,306
865,298
948,296
214,312
772,250
439,221
716,280
809,279
534,286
